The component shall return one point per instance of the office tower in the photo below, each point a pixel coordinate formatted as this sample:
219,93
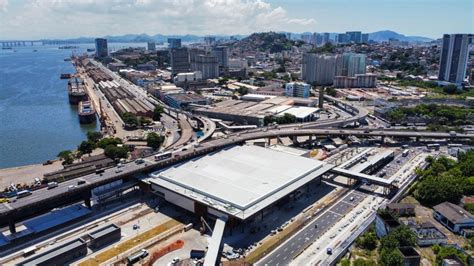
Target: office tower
318,69
174,43
350,64
162,57
341,38
319,39
101,49
288,35
193,53
151,46
179,60
354,36
365,38
222,54
297,89
306,38
208,65
326,37
454,55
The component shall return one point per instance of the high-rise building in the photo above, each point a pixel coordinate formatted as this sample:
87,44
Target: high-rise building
306,38
222,54
326,37
297,89
318,69
179,58
354,36
151,46
341,38
101,48
350,64
454,56
193,53
208,65
365,38
174,43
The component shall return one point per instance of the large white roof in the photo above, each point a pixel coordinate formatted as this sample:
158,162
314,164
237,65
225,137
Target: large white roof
242,178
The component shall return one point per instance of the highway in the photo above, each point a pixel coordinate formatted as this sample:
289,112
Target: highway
42,196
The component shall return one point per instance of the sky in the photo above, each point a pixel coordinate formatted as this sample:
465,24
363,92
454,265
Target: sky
38,19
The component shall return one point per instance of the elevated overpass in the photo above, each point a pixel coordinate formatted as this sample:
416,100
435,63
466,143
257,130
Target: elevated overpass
43,200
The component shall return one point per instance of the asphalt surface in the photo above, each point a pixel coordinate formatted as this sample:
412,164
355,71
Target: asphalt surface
285,253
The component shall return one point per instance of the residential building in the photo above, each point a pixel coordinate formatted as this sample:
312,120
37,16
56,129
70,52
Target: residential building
297,89
187,77
151,46
209,40
101,48
350,64
453,217
179,60
207,65
222,54
454,56
318,69
326,37
359,81
341,38
401,209
174,43
411,257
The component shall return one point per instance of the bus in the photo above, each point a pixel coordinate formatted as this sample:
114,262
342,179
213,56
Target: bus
433,146
23,193
405,152
137,256
162,156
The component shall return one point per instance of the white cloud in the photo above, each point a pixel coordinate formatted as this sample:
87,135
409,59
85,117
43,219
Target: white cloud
3,5
69,18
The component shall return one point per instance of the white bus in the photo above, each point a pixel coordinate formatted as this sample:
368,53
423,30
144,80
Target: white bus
23,193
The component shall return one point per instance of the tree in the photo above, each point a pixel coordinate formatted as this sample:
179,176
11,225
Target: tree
391,257
157,112
115,152
242,91
404,235
86,147
130,119
154,140
450,89
367,241
331,92
66,156
94,136
103,143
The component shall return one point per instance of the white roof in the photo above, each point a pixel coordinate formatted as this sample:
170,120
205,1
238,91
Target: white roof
278,109
300,112
240,180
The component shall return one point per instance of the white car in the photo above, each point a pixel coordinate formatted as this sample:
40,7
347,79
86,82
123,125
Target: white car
174,261
71,187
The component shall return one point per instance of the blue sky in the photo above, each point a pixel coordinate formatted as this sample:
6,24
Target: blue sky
34,19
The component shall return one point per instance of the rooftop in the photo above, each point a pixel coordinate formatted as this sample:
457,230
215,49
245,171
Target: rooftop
454,213
240,180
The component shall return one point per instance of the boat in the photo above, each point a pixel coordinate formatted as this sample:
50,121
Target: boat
86,113
90,49
66,76
6,48
68,47
76,90
35,50
67,59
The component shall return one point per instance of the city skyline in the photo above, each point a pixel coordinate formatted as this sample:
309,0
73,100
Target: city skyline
30,19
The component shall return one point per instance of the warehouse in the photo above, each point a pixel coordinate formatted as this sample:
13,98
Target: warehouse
236,183
60,255
105,235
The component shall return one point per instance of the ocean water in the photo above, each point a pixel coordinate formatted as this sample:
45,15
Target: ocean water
36,119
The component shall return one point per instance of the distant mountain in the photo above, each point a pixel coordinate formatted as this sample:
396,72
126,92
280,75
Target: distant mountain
385,35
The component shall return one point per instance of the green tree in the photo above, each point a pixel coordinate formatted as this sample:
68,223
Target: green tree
450,89
115,152
331,92
157,112
130,119
405,236
103,143
94,136
86,147
391,257
66,156
367,241
154,140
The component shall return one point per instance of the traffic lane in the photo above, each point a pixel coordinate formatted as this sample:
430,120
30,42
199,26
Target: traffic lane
285,253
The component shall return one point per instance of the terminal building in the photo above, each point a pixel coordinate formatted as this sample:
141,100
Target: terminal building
238,183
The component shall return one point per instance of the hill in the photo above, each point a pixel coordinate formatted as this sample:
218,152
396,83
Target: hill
385,35
265,41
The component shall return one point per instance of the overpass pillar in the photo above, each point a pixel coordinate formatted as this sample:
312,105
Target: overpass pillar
417,139
295,140
11,226
382,139
87,199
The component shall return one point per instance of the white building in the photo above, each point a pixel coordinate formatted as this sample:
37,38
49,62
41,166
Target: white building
189,76
297,89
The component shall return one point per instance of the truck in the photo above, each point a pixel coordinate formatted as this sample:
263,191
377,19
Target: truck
137,256
405,152
52,185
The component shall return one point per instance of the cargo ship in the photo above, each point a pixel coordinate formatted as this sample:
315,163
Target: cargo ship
76,90
86,112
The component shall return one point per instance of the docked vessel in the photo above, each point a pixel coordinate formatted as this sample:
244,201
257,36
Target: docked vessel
86,112
90,49
68,47
66,76
76,90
